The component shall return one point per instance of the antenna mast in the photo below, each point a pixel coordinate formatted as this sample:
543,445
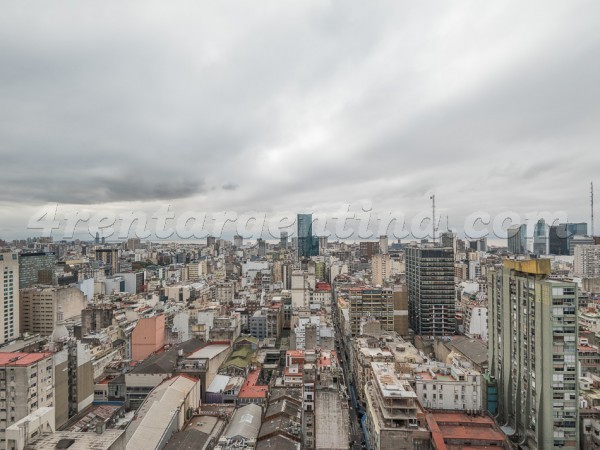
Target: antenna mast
592,206
433,216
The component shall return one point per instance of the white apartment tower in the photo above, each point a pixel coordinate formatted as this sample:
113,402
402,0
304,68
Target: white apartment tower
9,296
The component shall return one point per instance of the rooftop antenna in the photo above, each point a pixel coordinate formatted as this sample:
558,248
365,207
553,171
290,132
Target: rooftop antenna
447,223
592,205
433,215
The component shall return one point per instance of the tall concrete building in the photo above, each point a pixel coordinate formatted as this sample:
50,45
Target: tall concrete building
586,263
43,308
517,239
368,249
238,241
394,416
74,378
449,239
578,240
371,302
26,384
383,244
262,247
323,244
36,268
283,239
9,296
381,268
431,290
109,258
533,354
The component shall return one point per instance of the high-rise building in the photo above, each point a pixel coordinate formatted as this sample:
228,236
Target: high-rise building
283,239
383,244
431,290
561,235
323,244
394,417
449,239
26,384
381,268
262,247
9,296
133,244
533,354
517,239
557,240
36,268
540,238
368,249
109,258
586,263
579,240
308,245
211,241
238,241
43,308
376,303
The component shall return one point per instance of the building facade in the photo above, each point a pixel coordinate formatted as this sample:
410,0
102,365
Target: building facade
308,245
533,339
43,308
26,384
36,268
9,296
431,290
517,239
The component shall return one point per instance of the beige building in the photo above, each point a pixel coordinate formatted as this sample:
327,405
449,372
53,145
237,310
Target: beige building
43,307
376,303
26,384
9,296
196,270
394,417
380,269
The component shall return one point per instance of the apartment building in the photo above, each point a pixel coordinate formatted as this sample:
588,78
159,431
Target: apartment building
533,337
26,384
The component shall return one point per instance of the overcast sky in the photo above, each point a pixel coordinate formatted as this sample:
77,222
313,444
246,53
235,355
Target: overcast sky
285,107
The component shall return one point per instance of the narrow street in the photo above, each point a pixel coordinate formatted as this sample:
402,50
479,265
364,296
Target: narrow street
357,437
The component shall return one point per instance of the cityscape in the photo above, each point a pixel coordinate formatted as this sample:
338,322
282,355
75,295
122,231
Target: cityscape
315,225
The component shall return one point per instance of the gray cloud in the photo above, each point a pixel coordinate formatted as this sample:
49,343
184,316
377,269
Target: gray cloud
304,105
230,186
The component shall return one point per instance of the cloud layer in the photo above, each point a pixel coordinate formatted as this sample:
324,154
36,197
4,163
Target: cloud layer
301,106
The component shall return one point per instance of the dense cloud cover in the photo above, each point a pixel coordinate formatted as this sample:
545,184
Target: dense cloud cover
284,107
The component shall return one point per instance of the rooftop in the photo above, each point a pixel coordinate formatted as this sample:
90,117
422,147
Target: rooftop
155,413
245,423
210,351
250,389
389,384
76,440
20,359
450,429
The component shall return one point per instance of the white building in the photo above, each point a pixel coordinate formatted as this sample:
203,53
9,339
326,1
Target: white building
586,263
451,388
9,296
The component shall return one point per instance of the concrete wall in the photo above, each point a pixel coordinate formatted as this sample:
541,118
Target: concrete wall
147,337
61,387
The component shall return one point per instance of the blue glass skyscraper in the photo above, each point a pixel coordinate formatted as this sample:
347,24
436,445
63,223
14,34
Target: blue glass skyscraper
308,245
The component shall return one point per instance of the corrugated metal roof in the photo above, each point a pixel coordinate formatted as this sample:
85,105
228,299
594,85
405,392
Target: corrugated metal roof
164,401
245,423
